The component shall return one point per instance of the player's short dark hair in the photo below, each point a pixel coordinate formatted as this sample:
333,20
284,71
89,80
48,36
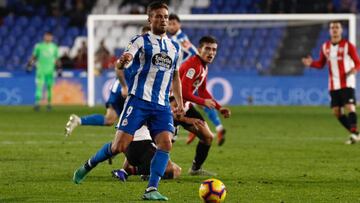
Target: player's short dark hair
145,29
335,21
48,33
156,5
207,39
173,16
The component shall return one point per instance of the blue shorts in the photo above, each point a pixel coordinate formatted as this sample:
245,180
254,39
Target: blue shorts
138,112
116,100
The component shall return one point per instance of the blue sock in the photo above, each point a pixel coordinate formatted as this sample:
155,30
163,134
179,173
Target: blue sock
95,119
213,116
103,154
158,167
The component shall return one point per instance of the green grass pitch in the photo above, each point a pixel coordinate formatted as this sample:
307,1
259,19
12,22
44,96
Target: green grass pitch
272,154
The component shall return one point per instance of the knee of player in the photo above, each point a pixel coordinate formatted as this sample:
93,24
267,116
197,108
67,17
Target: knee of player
164,145
110,120
208,138
337,114
177,171
119,147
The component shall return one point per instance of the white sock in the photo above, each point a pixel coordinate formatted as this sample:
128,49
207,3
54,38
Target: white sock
219,128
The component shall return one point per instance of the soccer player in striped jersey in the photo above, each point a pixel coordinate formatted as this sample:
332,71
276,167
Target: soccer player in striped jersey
189,50
343,62
156,61
114,104
193,74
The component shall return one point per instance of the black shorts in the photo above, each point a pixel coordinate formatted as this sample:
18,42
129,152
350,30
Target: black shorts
191,113
140,154
342,96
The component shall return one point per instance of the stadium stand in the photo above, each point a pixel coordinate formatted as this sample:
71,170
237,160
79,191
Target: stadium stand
240,48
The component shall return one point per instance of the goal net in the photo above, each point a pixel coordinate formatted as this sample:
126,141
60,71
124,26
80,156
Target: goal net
260,44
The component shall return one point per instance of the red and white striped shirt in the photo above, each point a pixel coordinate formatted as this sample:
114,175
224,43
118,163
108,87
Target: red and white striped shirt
341,58
193,76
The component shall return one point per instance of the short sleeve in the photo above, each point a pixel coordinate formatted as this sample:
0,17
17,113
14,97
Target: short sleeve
134,46
179,60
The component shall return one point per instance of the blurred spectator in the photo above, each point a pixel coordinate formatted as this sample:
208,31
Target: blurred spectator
102,56
309,6
78,15
347,6
81,57
66,61
109,62
136,6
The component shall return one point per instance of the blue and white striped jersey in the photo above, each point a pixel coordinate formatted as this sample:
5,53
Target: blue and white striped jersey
187,47
155,60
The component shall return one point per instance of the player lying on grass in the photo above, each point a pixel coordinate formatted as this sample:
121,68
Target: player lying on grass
138,158
343,62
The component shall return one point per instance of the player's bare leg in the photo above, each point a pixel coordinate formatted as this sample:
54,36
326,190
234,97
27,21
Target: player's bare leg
111,116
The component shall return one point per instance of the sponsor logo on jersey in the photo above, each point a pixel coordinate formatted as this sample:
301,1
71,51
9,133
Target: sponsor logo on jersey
162,61
190,73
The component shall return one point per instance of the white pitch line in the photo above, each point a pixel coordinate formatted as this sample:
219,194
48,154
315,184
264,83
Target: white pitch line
51,133
9,142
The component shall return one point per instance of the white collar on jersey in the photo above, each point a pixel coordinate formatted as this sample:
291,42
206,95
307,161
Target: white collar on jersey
158,36
178,32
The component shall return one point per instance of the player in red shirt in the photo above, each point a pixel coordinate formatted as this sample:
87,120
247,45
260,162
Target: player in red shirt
343,62
193,75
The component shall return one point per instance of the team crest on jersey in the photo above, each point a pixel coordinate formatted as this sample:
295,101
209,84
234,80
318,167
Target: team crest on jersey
124,122
162,61
128,47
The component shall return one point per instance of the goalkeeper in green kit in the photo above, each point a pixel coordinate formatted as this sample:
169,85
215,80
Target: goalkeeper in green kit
46,56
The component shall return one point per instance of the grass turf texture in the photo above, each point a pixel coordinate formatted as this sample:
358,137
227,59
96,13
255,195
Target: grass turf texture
272,154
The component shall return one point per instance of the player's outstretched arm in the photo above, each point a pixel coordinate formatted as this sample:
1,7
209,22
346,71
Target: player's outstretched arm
307,60
225,112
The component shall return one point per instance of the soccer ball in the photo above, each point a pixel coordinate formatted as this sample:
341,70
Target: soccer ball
212,191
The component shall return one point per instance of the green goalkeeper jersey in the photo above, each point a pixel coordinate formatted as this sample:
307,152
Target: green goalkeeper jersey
46,55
